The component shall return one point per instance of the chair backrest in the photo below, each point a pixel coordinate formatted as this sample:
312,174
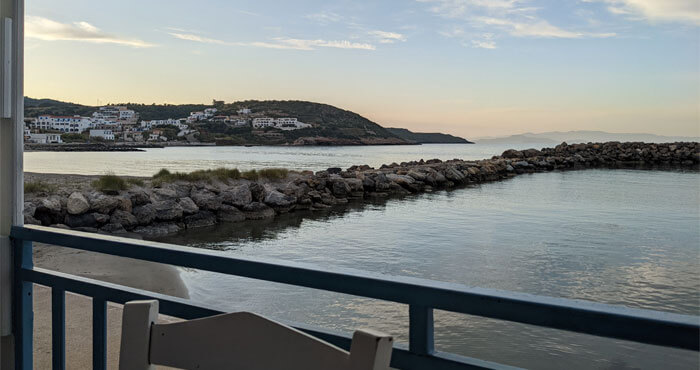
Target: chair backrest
240,340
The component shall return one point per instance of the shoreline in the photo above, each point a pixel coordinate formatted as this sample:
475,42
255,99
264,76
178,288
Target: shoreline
158,208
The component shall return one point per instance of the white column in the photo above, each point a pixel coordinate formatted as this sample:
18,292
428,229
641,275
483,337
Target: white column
11,148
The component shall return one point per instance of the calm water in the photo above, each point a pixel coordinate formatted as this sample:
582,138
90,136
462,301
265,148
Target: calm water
624,237
197,158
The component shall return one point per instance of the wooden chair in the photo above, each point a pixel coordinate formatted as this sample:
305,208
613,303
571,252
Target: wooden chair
240,340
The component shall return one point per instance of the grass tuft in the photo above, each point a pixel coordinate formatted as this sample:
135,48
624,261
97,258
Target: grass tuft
38,187
110,183
221,174
134,181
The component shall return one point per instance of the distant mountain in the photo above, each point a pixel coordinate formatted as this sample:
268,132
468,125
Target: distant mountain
427,137
555,137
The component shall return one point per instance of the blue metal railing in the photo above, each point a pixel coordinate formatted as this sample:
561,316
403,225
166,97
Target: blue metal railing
422,297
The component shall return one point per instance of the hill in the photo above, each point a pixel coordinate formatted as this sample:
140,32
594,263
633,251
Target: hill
330,125
427,137
581,137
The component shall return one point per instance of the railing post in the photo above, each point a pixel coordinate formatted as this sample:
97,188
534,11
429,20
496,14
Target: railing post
99,333
58,328
420,330
24,307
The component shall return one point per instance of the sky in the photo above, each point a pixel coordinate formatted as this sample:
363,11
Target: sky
467,67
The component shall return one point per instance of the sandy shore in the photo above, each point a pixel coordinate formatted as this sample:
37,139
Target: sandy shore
133,273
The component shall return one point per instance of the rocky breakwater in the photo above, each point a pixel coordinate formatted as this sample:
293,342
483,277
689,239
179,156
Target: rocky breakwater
180,205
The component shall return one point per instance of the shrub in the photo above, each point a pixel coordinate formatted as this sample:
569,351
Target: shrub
251,175
135,181
274,173
38,187
221,174
110,183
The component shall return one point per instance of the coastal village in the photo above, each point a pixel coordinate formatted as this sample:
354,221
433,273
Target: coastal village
113,123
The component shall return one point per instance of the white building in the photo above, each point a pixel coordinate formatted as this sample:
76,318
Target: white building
196,116
290,124
161,122
73,124
114,112
105,134
245,111
210,112
263,122
239,122
45,138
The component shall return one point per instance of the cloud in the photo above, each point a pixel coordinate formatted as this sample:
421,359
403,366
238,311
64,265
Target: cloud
46,29
538,28
472,18
281,43
484,44
325,17
683,11
387,37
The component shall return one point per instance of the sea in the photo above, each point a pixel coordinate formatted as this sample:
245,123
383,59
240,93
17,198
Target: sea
624,237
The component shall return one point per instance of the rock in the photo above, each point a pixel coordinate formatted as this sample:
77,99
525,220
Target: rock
200,219
145,214
86,220
207,200
77,204
113,228
168,210
453,175
166,193
512,153
527,153
51,204
229,214
257,191
510,168
339,186
402,180
521,164
30,220
257,211
49,211
29,209
275,199
334,170
416,175
125,219
238,196
103,203
139,197
157,230
356,185
188,206
124,204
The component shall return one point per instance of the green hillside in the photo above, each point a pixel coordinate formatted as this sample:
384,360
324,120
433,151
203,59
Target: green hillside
427,137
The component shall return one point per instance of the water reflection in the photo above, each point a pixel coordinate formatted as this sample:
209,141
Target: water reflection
621,237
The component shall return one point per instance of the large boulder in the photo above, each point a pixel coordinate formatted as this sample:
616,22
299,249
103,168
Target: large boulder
257,211
339,186
229,214
168,210
145,214
77,204
237,196
165,193
512,153
103,203
356,185
257,191
126,219
189,207
93,219
205,199
49,211
277,200
139,197
200,219
453,174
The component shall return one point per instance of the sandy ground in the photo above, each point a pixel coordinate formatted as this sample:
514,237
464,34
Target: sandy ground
134,273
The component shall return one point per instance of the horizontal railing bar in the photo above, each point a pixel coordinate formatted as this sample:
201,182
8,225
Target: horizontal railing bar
182,308
644,326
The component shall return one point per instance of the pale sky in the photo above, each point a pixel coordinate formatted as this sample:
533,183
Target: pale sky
467,67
